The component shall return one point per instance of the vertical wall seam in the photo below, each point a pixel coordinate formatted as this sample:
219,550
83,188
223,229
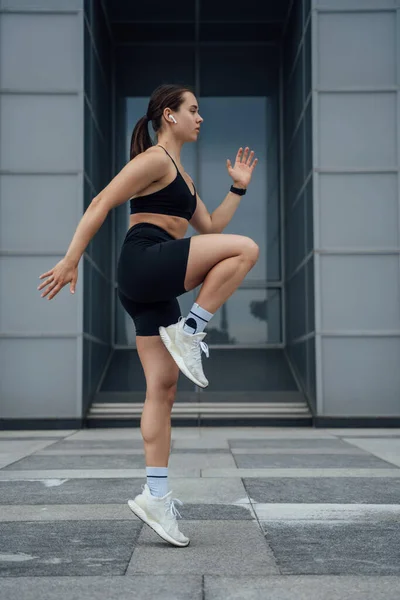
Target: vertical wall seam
397,50
79,293
282,200
316,215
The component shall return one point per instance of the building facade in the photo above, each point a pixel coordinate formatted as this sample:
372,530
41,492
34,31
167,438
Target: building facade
312,336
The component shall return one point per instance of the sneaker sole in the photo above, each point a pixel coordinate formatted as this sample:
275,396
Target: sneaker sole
139,512
170,347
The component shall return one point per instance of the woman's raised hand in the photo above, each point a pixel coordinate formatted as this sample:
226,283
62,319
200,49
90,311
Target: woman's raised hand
243,168
62,273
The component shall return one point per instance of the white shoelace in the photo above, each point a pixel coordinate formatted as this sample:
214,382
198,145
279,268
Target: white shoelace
171,508
202,345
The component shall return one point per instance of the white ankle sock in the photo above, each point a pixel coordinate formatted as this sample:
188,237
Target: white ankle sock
197,319
157,480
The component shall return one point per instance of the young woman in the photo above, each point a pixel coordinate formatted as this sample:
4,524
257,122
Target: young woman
157,264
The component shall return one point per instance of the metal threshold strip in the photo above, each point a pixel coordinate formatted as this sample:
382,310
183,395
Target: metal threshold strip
182,409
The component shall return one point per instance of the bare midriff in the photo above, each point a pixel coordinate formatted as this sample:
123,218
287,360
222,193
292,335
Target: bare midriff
175,226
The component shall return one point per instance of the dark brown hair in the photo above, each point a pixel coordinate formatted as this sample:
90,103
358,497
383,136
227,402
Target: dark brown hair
165,96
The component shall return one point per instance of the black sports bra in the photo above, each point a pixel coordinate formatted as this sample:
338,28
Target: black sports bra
175,199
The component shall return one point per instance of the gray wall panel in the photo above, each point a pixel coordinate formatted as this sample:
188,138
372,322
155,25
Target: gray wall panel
361,376
22,310
38,378
41,133
40,52
41,200
41,5
357,130
356,182
360,293
349,54
371,205
310,277
25,199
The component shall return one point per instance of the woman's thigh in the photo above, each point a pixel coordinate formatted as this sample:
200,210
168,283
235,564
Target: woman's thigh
207,250
149,316
155,273
160,369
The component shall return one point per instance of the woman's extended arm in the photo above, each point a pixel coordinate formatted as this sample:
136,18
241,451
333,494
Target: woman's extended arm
204,222
133,178
241,173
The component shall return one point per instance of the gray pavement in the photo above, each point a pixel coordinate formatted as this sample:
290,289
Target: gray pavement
272,513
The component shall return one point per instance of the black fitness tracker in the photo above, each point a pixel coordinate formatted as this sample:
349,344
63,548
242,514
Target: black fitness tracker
239,191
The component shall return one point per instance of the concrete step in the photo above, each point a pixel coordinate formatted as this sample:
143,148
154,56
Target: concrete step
213,408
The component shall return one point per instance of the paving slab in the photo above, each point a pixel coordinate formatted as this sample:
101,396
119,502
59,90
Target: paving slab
67,548
364,432
205,450
201,490
12,451
318,444
201,461
289,472
301,587
335,548
347,513
130,433
216,512
98,444
324,489
283,433
86,491
31,475
129,451
37,462
9,459
140,587
92,512
348,450
65,512
23,446
39,433
69,491
96,452
216,547
19,449
200,443
309,461
119,461
387,449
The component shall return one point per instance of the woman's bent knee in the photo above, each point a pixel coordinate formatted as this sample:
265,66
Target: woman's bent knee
208,250
251,250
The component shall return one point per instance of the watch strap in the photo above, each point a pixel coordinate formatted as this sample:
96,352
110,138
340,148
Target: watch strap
236,190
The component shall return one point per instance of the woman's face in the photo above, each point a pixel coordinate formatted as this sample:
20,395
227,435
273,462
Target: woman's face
188,119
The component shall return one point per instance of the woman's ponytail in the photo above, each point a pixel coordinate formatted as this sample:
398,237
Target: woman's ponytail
140,139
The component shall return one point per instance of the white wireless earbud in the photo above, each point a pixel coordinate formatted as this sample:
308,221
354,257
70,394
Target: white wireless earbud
171,118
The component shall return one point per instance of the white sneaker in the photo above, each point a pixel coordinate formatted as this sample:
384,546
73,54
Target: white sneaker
185,349
160,514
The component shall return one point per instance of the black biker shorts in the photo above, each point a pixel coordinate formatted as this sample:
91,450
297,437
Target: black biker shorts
150,276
